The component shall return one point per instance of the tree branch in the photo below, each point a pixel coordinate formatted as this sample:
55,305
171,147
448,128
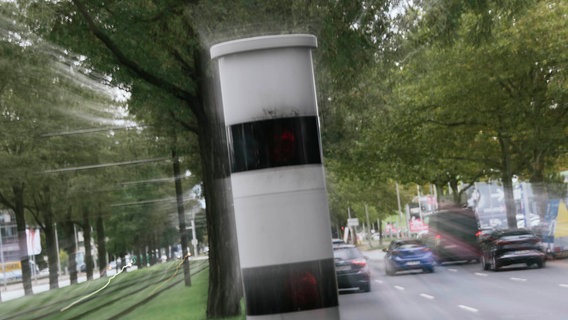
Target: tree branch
133,66
190,127
6,202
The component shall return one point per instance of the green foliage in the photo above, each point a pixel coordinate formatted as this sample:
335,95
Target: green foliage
459,106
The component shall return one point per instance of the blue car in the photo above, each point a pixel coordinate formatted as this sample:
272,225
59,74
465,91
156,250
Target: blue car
410,254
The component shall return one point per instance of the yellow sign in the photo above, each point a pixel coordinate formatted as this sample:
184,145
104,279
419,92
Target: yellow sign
10,266
561,221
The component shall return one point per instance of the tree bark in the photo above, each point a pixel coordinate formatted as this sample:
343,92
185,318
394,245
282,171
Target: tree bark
18,190
101,245
507,180
225,284
52,254
69,245
87,241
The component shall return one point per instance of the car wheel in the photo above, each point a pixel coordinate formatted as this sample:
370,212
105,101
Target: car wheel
494,265
429,269
366,288
388,269
484,264
541,263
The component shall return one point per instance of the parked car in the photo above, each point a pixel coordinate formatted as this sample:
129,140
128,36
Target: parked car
351,268
336,241
408,254
511,246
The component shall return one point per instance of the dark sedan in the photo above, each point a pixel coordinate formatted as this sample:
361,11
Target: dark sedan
511,246
409,254
351,268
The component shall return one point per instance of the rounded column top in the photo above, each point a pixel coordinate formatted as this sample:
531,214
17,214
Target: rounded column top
263,43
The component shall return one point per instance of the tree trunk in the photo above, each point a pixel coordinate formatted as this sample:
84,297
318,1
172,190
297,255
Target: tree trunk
69,245
139,258
507,180
380,229
456,195
181,218
145,258
101,247
225,284
52,254
18,190
510,202
87,241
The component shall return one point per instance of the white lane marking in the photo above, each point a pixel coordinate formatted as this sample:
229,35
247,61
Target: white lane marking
452,270
481,274
399,288
427,296
379,281
519,279
470,309
563,285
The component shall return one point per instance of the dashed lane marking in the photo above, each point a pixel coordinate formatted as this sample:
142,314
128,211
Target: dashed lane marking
481,274
427,296
563,285
399,288
470,309
519,279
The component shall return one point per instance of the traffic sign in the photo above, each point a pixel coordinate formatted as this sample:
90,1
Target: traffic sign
353,222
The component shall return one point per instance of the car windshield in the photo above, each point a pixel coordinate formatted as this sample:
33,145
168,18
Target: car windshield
517,236
221,144
346,254
410,245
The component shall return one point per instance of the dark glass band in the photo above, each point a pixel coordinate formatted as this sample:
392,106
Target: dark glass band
290,287
274,143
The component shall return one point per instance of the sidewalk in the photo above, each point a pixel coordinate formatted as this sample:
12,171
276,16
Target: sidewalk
41,284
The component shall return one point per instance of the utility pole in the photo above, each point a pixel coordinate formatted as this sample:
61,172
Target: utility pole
400,210
368,225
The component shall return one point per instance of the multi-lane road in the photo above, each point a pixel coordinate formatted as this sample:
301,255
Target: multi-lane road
462,291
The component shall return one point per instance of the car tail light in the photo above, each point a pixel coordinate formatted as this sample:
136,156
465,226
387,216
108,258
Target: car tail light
360,262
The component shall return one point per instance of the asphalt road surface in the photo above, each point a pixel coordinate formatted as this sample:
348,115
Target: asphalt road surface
461,291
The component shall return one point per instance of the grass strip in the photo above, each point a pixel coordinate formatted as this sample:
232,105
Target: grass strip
126,290
179,302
